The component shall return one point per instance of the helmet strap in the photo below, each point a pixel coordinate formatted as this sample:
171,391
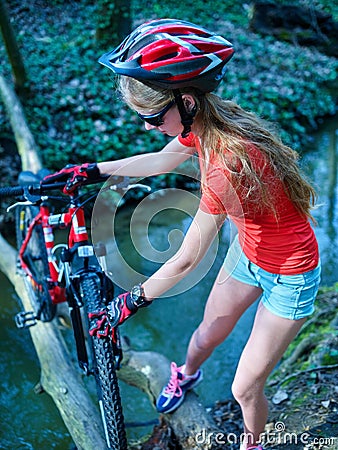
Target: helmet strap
187,117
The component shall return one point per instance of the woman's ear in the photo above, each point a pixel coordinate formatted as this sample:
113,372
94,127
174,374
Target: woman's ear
189,103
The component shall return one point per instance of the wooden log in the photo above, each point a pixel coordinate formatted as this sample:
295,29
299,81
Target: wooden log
149,372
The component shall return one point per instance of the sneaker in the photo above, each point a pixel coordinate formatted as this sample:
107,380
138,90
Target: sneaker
173,394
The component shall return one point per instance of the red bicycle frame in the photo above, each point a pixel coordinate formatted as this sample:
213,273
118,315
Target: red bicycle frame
74,218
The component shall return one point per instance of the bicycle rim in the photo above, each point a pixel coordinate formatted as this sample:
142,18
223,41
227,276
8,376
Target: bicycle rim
37,260
105,373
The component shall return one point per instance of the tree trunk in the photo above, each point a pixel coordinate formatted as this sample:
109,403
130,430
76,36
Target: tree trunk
24,139
149,371
12,48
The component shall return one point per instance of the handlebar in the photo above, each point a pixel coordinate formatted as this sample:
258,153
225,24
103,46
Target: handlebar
34,192
14,191
30,189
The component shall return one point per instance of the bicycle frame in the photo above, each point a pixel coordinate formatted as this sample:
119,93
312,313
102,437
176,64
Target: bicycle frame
78,234
56,292
78,242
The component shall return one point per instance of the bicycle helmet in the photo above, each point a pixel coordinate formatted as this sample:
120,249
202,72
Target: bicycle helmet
171,54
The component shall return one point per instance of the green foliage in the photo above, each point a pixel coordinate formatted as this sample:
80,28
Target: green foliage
327,6
320,330
113,20
75,115
285,84
196,11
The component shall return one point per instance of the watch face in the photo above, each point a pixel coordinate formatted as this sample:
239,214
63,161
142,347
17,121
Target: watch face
136,292
137,295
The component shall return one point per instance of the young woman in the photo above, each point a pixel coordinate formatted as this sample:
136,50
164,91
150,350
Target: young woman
168,69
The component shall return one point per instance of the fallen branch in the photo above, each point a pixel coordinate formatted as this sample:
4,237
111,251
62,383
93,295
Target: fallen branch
303,348
321,313
302,372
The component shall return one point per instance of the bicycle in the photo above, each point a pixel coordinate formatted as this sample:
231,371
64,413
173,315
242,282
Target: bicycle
72,272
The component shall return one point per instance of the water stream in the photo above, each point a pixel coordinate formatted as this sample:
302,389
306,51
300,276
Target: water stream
30,421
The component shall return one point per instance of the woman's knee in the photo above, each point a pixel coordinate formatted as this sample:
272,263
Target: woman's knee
239,391
246,388
204,340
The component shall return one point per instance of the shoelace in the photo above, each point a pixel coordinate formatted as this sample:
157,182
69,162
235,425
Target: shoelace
173,386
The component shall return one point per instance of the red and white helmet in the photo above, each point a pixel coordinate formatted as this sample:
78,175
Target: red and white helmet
171,54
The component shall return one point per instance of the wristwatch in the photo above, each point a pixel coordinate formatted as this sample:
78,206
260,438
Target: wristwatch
138,297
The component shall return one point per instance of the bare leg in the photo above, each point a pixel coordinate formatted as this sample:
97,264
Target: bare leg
269,339
227,301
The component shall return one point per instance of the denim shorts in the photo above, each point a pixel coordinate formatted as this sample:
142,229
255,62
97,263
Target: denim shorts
288,296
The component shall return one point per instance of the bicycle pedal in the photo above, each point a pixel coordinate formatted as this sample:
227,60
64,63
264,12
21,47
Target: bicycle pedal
25,319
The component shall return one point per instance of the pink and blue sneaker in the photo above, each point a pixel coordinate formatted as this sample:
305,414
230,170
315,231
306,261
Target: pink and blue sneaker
172,395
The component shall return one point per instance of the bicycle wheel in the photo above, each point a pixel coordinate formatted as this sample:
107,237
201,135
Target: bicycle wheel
104,369
35,256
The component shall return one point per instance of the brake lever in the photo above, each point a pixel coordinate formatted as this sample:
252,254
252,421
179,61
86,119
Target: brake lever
138,186
125,186
31,199
25,203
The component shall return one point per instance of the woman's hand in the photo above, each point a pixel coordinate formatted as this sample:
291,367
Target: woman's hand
74,176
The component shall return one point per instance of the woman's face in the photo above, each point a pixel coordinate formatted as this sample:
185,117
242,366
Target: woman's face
171,122
167,121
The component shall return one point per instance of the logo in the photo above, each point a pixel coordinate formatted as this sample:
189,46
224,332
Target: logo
141,238
277,436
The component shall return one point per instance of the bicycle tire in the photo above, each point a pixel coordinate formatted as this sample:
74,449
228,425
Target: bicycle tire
36,258
104,369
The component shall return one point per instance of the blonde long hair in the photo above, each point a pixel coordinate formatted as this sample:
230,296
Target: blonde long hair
225,130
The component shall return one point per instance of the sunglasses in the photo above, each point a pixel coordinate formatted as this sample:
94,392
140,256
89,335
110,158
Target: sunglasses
156,120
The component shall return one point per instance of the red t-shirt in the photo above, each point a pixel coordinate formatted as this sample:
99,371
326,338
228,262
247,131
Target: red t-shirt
281,243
